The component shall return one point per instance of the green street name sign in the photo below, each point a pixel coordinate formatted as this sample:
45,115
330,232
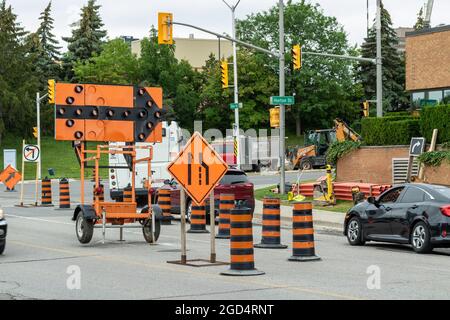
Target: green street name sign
288,100
234,106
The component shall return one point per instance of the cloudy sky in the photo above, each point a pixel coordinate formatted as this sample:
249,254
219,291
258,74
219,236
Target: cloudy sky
134,17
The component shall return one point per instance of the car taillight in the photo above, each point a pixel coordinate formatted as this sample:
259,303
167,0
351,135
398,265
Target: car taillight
445,211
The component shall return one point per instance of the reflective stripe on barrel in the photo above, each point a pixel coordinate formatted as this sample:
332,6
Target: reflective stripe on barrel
46,192
164,202
64,194
226,204
303,230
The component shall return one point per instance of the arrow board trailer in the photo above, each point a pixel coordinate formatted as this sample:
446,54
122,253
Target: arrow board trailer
163,154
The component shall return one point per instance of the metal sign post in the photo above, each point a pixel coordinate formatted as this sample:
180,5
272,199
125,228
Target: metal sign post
212,226
183,225
22,186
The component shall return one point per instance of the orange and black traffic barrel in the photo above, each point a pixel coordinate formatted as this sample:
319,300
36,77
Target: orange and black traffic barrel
242,260
64,194
46,192
271,225
198,218
127,194
165,205
226,204
303,233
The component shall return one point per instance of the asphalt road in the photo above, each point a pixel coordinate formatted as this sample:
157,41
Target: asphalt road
43,253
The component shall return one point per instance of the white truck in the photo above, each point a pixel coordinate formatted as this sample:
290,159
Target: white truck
163,154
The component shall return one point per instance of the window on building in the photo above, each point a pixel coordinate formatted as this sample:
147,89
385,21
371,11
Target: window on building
416,97
435,95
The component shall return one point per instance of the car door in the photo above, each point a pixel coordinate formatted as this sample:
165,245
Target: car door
403,212
378,223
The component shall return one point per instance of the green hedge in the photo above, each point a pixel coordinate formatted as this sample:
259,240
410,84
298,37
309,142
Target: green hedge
389,130
338,149
434,158
437,117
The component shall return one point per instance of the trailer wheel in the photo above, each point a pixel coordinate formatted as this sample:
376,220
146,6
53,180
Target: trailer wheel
84,229
147,230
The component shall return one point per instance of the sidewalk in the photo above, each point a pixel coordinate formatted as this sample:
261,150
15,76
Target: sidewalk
322,219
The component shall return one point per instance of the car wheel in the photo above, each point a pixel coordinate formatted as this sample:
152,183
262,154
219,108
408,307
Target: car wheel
2,246
188,210
420,238
354,232
147,230
306,165
84,229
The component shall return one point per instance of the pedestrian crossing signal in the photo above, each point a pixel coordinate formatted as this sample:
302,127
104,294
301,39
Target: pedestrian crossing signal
297,57
51,91
224,73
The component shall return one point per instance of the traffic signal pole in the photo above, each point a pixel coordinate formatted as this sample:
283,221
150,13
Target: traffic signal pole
379,64
282,94
236,88
38,124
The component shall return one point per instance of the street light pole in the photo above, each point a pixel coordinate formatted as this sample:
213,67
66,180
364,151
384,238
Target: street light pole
379,64
236,88
282,94
38,123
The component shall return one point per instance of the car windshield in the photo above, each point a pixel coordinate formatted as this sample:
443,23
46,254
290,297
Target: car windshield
233,177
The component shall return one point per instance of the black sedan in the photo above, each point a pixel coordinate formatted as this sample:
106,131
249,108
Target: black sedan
3,229
416,214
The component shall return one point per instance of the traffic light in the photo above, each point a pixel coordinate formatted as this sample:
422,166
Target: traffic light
365,108
165,28
35,132
224,73
51,91
275,117
297,57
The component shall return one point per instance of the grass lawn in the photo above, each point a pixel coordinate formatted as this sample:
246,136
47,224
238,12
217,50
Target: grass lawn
294,140
341,206
58,155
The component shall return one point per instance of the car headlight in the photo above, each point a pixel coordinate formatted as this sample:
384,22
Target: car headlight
2,215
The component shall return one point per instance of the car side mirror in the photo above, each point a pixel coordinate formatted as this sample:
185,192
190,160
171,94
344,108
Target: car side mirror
373,200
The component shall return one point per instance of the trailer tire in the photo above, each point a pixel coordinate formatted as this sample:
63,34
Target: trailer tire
84,228
147,229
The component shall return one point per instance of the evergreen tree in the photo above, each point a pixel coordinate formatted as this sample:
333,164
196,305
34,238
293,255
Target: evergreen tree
48,49
420,24
17,81
393,65
86,40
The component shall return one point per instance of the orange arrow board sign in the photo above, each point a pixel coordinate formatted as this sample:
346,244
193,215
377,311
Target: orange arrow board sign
10,177
198,168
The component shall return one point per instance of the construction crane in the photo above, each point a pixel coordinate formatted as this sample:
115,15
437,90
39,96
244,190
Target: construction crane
428,10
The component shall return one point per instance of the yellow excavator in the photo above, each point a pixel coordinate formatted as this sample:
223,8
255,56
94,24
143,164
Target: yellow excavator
317,142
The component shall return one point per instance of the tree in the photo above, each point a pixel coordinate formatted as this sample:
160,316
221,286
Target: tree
48,49
181,84
17,81
393,65
115,65
86,40
420,23
324,88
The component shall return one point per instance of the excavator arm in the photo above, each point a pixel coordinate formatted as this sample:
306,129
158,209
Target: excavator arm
344,132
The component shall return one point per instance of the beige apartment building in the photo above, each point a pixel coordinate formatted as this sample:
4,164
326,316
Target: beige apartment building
195,51
428,65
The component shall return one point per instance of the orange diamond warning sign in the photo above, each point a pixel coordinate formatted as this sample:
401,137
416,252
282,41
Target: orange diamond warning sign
198,168
10,177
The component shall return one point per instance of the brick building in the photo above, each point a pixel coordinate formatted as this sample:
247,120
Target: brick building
428,65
